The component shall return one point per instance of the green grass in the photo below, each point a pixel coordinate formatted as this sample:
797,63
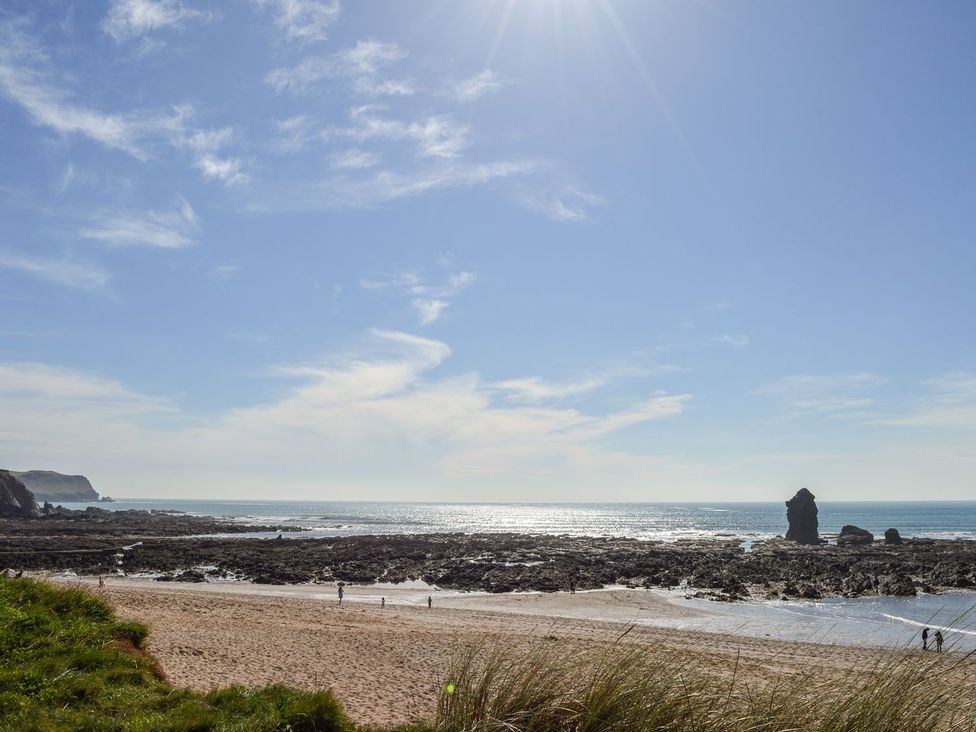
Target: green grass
67,664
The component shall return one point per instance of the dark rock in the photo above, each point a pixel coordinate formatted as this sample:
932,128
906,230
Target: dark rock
892,536
16,501
801,512
850,535
900,585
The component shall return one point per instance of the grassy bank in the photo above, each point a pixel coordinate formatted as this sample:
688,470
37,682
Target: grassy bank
67,664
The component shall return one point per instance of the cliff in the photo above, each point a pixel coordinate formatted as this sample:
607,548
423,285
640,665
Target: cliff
15,498
46,485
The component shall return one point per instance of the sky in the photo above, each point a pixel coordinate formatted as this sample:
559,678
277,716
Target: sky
496,250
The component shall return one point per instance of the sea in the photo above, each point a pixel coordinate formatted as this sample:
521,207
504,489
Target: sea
658,521
876,621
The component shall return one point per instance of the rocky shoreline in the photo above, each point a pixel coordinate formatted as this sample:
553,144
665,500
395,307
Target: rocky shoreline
172,548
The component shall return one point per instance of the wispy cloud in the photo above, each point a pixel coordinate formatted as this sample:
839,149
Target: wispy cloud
806,394
65,272
436,136
948,402
535,389
381,186
477,86
566,203
26,79
304,20
358,67
165,229
354,159
428,300
735,340
128,19
383,397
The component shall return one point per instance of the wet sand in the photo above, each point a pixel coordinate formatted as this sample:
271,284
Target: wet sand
386,664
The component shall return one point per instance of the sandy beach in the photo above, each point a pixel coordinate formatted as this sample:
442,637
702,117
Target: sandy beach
386,664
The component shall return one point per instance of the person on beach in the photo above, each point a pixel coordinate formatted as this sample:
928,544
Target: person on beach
938,641
340,595
101,582
925,639
382,602
572,587
430,601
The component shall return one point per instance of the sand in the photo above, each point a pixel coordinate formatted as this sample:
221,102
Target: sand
386,665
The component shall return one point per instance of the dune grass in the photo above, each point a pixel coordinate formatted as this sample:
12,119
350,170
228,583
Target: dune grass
623,689
67,664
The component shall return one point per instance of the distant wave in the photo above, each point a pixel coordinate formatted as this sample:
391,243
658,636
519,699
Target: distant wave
916,623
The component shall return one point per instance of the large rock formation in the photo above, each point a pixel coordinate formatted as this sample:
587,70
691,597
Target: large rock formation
892,537
46,485
15,499
801,512
854,535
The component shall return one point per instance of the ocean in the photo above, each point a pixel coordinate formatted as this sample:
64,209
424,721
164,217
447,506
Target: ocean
660,521
877,621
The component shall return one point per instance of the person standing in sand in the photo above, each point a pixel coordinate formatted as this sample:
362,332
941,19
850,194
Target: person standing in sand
925,639
101,582
938,641
340,595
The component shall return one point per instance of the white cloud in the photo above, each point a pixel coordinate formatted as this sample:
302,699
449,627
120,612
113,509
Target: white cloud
534,389
294,133
436,136
24,78
736,340
225,271
379,413
806,394
226,170
128,19
475,87
165,229
429,309
354,159
568,203
304,20
359,67
383,186
428,300
949,403
66,272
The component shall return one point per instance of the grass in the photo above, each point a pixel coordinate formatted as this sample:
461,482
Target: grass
622,689
67,664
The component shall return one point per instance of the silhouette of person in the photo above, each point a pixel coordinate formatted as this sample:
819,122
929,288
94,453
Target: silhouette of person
340,595
382,602
430,601
101,582
925,639
938,641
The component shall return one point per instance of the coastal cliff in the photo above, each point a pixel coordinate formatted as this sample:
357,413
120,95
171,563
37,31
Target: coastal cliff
47,485
15,499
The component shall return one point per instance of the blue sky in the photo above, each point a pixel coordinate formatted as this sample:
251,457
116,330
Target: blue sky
493,250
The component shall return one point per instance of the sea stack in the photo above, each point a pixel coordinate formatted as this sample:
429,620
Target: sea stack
801,512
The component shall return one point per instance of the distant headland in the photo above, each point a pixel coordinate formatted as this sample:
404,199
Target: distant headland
47,485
